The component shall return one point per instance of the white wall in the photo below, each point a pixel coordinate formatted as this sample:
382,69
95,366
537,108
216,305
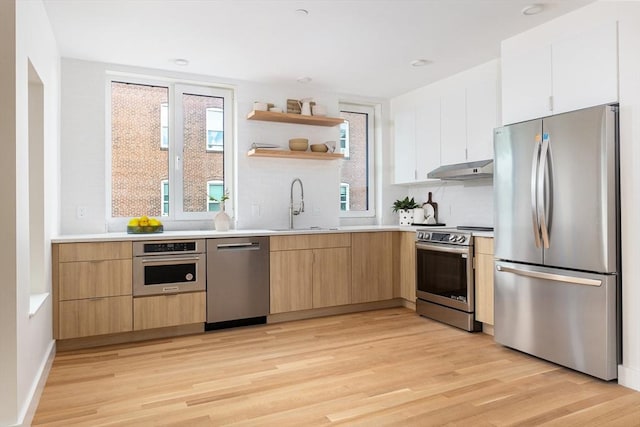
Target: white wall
262,185
627,13
26,339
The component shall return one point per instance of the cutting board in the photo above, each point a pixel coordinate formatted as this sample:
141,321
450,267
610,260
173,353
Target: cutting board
431,207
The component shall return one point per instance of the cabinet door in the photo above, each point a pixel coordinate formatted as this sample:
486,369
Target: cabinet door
427,138
482,112
291,275
404,147
161,311
453,136
96,316
585,70
331,277
94,279
526,84
484,280
408,266
372,267
68,252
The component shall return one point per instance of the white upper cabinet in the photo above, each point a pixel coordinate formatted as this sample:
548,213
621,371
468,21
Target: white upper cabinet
427,137
562,76
585,70
482,112
405,146
450,121
526,85
453,137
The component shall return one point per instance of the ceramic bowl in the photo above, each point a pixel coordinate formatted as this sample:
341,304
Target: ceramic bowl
298,144
319,148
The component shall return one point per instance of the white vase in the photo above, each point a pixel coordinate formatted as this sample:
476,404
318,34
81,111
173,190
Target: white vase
406,216
222,220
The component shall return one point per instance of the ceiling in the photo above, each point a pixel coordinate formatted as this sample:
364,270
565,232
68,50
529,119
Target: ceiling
357,47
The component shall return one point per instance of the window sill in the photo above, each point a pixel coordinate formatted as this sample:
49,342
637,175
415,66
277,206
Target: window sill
35,302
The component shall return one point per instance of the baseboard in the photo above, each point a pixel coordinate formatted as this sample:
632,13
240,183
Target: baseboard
629,377
30,407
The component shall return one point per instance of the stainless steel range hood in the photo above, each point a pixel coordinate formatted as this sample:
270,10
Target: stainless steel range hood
464,171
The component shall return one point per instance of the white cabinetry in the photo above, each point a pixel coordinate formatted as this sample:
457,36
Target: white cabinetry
567,75
450,121
417,141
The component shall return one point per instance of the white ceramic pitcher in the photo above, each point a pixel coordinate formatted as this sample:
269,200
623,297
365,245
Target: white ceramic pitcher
305,106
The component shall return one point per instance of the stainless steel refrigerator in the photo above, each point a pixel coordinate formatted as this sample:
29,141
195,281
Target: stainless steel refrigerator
557,239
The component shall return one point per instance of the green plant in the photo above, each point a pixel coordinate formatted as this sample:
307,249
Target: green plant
405,204
224,197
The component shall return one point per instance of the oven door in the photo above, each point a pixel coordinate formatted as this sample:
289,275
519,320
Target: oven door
162,274
444,275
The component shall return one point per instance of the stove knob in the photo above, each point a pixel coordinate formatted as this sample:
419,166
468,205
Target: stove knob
420,235
462,239
453,238
426,236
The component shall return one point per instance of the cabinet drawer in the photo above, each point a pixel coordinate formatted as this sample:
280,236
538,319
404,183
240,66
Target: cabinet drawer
94,279
168,310
310,241
484,245
94,251
88,317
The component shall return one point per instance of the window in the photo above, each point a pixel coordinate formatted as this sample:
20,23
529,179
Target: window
344,196
164,125
344,138
356,142
164,196
195,153
215,190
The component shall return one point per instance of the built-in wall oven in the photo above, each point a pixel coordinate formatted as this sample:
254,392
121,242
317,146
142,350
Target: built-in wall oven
444,277
171,266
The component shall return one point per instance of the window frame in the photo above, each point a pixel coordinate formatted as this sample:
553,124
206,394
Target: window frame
175,173
346,199
372,117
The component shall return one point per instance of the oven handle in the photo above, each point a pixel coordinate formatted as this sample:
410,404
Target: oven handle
168,259
464,251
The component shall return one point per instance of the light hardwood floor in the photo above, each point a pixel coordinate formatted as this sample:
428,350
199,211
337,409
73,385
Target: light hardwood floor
378,368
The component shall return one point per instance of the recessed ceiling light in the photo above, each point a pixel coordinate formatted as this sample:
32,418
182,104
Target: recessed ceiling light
304,79
420,62
532,9
182,62
302,12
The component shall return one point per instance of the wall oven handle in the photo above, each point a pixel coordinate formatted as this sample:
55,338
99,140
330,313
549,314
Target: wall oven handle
550,276
168,259
463,250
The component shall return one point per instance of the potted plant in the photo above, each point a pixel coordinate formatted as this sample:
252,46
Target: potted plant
405,207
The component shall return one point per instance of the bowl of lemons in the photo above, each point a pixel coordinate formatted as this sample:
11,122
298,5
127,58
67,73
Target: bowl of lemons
144,224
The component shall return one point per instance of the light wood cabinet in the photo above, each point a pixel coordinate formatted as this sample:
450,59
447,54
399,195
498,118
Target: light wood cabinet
560,76
372,266
407,259
309,271
484,279
159,311
92,286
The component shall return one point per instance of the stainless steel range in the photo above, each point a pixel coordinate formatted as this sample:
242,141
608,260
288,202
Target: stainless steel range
444,277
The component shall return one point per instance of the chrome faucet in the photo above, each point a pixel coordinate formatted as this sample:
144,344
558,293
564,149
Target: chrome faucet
300,209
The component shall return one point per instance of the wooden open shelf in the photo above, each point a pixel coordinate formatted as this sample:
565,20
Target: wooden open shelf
269,116
266,152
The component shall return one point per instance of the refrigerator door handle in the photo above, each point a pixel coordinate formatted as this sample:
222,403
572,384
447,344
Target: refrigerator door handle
541,202
534,191
550,276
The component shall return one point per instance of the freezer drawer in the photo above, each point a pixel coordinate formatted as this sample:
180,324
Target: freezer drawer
566,317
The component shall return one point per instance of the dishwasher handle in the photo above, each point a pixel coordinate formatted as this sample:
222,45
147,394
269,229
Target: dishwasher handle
246,246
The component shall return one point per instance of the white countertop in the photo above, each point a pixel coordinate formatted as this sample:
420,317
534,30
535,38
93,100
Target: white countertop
212,234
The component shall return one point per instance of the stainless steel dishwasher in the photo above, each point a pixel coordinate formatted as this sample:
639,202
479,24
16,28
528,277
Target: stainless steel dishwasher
237,281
